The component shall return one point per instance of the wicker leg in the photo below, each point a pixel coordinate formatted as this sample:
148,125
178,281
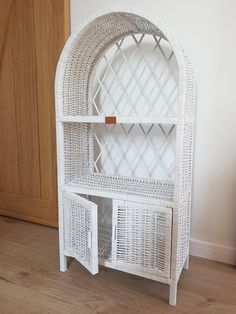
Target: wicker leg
63,262
173,293
186,264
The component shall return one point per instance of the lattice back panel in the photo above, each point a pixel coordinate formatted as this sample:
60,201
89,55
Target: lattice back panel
137,76
135,150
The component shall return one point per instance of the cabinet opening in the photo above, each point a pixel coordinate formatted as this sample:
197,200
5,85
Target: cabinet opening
104,206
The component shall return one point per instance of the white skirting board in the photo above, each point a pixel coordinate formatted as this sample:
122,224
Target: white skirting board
212,251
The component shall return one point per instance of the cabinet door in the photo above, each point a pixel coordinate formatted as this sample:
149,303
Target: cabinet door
142,238
80,230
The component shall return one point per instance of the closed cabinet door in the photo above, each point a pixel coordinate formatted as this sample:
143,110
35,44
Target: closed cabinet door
142,238
32,34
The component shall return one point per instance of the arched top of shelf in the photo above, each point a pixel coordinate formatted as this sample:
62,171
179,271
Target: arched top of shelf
85,48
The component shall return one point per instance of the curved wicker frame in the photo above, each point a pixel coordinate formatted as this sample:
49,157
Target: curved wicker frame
74,77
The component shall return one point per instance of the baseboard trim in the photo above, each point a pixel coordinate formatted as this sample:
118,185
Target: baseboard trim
212,251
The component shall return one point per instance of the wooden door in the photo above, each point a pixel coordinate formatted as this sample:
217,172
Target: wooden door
32,34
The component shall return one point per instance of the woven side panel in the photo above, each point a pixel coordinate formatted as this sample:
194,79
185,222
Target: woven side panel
185,197
187,160
189,105
183,234
78,228
143,237
78,148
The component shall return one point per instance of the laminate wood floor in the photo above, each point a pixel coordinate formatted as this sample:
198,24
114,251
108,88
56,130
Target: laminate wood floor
30,281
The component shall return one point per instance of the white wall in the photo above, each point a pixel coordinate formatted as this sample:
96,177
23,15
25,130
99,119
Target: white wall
206,29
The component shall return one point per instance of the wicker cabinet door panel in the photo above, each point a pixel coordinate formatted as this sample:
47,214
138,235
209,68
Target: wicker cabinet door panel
80,230
142,237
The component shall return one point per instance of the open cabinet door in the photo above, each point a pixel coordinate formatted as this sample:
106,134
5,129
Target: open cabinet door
80,229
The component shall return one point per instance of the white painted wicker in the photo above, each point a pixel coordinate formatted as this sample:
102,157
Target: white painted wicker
80,233
142,234
123,68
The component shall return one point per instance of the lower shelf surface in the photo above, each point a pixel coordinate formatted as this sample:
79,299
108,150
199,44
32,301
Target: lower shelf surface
118,186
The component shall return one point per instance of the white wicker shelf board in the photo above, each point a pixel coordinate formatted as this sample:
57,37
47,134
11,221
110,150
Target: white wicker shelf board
136,189
131,120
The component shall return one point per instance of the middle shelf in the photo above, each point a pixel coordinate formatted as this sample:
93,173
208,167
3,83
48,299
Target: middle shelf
120,187
119,119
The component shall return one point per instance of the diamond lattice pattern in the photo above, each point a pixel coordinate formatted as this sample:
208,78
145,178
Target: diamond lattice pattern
135,150
136,77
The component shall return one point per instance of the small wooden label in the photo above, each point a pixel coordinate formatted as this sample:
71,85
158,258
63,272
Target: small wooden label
110,120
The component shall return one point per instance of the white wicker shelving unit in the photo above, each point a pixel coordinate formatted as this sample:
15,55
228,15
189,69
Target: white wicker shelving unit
125,122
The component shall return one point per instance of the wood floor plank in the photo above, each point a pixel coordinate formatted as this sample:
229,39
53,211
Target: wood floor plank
30,281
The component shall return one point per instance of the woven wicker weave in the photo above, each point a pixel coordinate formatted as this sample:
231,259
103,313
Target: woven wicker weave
125,121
